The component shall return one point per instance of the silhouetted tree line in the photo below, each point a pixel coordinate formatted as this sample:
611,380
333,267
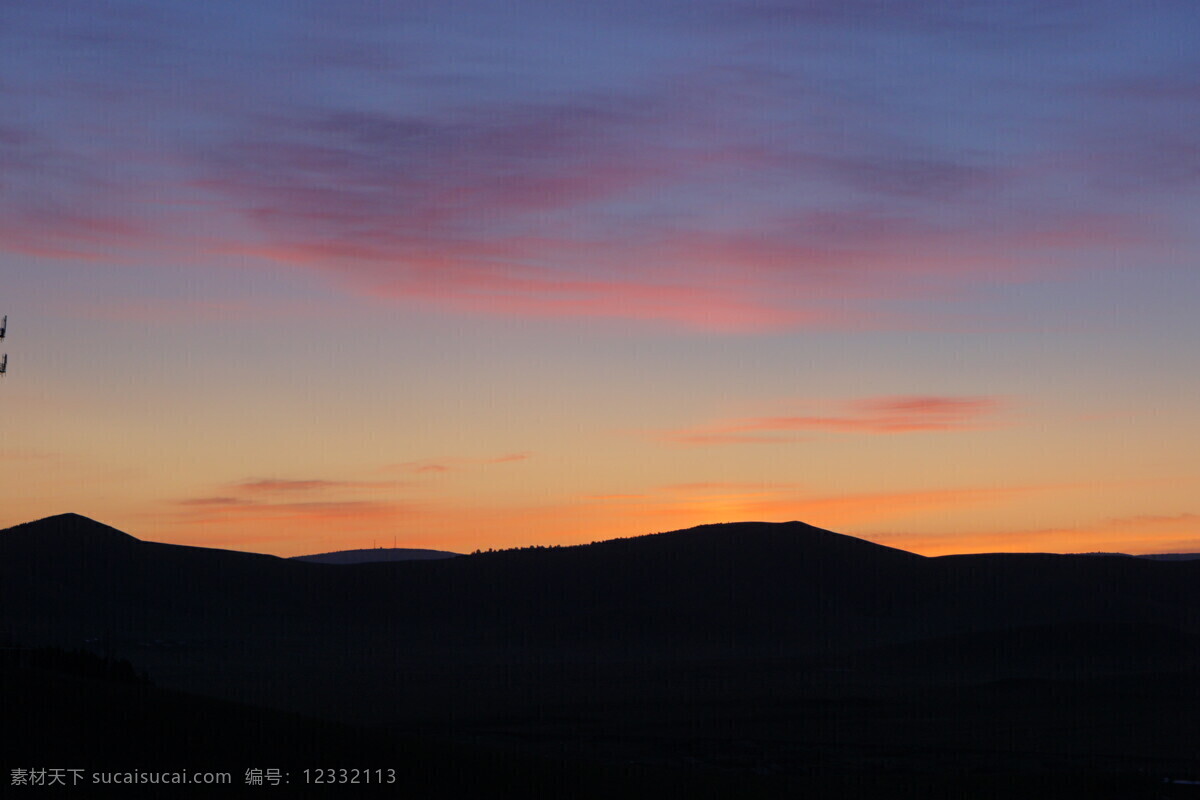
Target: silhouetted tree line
557,546
81,663
517,549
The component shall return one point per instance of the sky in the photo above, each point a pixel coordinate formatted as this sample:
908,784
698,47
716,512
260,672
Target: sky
292,277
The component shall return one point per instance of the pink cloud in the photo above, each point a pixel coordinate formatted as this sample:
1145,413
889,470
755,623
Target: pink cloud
884,415
211,501
253,521
709,486
272,485
271,510
502,278
510,457
777,276
727,437
430,468
605,206
515,213
270,496
1144,533
440,465
79,236
556,297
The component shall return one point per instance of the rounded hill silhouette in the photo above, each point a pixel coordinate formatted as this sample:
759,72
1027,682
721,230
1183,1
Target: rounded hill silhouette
64,532
782,643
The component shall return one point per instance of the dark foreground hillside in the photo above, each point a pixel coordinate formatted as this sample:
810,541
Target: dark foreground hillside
733,660
67,721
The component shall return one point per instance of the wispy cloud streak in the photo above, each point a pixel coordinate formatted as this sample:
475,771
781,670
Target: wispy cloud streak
1134,535
884,415
451,464
712,186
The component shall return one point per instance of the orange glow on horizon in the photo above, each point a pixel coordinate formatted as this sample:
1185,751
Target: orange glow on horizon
304,527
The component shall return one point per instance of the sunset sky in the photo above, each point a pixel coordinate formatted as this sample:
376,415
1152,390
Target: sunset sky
293,276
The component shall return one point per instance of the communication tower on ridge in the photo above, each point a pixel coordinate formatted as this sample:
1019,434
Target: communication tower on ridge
3,331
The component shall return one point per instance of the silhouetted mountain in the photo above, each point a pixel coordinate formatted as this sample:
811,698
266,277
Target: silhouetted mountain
823,651
780,588
1153,556
62,532
1172,556
375,554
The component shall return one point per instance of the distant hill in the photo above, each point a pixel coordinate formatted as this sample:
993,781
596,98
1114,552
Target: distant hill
1153,556
783,587
375,554
788,589
740,646
68,532
1172,556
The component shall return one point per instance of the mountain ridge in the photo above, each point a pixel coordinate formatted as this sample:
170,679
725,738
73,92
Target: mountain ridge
375,555
72,527
68,526
790,586
679,646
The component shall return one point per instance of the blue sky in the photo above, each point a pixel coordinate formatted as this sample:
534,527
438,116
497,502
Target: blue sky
944,250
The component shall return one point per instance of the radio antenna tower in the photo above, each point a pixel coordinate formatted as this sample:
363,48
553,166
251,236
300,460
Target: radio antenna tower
3,331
